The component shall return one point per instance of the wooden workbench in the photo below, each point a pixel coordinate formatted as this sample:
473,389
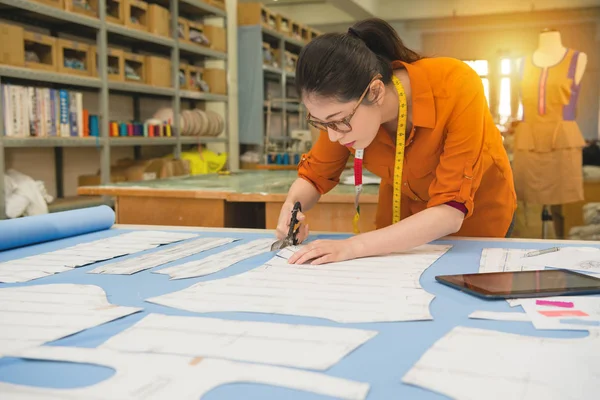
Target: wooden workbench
247,199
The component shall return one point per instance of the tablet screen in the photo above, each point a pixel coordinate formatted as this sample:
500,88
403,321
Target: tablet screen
524,282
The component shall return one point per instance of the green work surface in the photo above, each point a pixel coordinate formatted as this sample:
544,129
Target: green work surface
267,182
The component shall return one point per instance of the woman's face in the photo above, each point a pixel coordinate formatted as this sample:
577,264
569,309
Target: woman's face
357,130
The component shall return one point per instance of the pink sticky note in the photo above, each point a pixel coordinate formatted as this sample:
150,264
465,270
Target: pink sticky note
553,303
563,313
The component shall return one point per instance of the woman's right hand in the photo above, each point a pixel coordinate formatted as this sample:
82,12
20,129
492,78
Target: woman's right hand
283,225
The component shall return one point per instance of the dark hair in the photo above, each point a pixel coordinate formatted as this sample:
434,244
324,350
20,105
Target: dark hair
341,65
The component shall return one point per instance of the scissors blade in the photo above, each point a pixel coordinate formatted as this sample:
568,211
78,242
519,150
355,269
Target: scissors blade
281,244
277,245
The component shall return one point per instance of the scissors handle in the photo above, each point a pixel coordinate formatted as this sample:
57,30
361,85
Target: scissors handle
291,233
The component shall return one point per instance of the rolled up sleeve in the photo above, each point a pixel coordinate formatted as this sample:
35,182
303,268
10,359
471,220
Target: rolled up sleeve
458,174
323,164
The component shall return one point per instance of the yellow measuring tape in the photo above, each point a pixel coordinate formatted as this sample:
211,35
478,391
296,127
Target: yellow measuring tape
400,141
398,162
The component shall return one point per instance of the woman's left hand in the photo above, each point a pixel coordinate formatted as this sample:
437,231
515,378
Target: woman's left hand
324,251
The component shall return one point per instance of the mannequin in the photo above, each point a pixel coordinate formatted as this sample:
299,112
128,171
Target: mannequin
548,142
550,51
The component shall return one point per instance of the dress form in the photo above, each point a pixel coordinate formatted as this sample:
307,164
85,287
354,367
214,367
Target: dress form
550,51
548,142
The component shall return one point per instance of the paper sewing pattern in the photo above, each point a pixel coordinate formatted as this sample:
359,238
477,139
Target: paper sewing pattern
300,346
146,261
217,262
158,376
34,315
471,363
504,260
374,289
583,259
41,265
500,316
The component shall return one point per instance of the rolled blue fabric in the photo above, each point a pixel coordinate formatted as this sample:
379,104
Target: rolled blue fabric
24,231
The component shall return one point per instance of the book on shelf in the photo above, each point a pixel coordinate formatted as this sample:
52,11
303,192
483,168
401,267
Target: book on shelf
43,112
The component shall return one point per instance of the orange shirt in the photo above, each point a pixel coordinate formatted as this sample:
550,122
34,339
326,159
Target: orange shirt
453,153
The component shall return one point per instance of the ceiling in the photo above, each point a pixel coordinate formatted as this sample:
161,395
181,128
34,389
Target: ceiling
328,12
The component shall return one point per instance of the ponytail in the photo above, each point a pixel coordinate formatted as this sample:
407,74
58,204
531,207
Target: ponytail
341,65
383,40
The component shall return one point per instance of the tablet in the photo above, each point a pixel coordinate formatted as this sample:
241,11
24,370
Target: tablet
523,284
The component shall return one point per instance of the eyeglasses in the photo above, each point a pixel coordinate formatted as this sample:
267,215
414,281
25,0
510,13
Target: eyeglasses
341,125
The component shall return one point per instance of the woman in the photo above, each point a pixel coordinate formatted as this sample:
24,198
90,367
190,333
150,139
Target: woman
442,164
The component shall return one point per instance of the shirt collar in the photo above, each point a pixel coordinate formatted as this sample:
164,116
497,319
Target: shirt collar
423,105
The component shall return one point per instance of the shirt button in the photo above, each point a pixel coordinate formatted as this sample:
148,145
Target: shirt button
405,184
416,198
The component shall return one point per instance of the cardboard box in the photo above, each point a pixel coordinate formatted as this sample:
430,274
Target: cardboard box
115,61
154,168
136,14
45,47
74,57
75,7
217,37
139,170
138,63
256,14
158,71
290,62
305,33
117,174
115,11
13,46
284,24
268,58
314,34
197,32
194,75
159,20
272,21
184,76
296,30
216,79
184,28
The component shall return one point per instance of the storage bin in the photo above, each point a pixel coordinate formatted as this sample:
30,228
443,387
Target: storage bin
217,37
115,62
135,67
196,34
40,51
158,71
196,79
256,14
284,24
115,11
216,80
159,20
74,57
85,7
136,14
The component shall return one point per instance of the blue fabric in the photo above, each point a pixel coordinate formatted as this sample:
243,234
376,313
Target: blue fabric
381,362
42,228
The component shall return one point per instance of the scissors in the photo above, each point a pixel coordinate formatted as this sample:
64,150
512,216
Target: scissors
292,236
